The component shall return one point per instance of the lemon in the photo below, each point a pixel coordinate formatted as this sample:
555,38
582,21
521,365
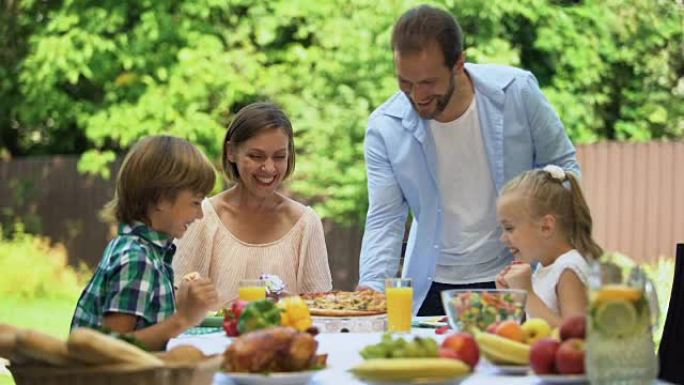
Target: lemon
616,317
615,292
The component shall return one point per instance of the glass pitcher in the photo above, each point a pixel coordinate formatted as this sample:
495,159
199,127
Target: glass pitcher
623,309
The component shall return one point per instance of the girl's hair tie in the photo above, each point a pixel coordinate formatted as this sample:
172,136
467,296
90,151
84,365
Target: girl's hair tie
556,172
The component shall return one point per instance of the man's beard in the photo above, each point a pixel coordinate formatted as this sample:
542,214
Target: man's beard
442,101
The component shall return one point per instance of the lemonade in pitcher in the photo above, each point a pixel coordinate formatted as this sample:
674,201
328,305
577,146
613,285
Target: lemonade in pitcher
620,349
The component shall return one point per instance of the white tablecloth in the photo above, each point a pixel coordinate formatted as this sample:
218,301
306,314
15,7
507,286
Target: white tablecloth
343,353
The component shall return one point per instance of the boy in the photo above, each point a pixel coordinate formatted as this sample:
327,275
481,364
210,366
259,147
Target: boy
159,191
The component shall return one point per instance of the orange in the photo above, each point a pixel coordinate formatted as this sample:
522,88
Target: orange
512,330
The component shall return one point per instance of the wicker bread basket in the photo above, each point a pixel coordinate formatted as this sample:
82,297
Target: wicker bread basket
201,373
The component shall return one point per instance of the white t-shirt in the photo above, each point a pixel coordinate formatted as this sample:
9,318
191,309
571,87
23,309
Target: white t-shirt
545,278
470,250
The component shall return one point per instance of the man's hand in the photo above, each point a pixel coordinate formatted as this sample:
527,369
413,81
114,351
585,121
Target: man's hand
363,287
195,298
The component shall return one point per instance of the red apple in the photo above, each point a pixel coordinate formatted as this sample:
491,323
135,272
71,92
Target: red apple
543,355
465,347
574,327
492,327
570,356
448,353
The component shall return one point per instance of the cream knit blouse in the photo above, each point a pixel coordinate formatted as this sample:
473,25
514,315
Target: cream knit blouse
299,258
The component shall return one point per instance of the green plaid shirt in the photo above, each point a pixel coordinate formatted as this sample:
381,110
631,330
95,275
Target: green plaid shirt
134,277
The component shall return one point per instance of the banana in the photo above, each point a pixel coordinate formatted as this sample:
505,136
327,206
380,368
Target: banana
402,369
500,350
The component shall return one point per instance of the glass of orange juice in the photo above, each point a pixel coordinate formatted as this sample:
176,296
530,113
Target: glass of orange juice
252,289
399,293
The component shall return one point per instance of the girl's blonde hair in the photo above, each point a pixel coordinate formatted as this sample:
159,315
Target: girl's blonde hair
157,167
560,195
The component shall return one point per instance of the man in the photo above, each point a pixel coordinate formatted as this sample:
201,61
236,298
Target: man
443,147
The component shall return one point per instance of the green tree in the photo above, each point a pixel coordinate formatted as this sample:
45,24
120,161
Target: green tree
91,78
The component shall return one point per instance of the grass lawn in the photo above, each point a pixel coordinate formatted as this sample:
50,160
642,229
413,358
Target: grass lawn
51,316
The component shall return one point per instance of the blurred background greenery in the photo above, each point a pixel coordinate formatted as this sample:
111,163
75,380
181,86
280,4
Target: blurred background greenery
90,78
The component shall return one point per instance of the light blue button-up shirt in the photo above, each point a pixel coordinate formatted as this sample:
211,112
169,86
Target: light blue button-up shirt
521,131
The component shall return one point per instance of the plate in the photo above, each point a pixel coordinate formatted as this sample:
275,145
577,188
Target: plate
282,378
429,322
562,378
420,381
212,322
512,369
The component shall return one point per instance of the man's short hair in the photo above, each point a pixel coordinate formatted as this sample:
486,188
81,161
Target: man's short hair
423,25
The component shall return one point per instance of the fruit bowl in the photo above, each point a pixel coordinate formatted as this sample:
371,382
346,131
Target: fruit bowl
476,309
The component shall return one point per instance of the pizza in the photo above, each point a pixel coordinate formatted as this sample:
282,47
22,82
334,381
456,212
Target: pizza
338,303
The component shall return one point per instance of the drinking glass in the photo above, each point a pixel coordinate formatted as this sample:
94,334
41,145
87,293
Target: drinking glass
622,311
252,289
399,293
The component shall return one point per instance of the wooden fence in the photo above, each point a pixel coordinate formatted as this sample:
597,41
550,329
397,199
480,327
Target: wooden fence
635,192
636,196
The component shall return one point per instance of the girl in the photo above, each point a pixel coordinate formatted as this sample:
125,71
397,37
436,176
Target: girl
253,229
545,219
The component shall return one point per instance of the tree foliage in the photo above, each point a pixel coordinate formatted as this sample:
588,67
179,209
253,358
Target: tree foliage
93,77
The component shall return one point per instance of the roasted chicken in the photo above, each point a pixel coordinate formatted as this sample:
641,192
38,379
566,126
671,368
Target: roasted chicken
278,349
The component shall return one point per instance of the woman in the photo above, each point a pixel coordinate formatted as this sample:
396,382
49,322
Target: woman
252,229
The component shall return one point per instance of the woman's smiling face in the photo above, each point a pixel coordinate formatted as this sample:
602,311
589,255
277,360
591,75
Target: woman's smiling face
262,161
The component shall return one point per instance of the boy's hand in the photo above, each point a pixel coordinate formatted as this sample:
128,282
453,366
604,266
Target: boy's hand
195,299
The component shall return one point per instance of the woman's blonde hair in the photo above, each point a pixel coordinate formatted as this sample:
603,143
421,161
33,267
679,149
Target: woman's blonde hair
156,168
559,194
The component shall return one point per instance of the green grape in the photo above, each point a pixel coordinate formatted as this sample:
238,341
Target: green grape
399,343
413,350
370,351
430,343
431,348
390,347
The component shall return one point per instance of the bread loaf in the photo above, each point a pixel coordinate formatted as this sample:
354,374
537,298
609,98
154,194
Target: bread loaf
191,276
183,354
96,348
43,347
8,341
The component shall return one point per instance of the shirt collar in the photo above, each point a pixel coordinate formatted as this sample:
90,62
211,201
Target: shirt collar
159,239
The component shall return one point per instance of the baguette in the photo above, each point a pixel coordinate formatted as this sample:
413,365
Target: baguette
96,348
43,347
